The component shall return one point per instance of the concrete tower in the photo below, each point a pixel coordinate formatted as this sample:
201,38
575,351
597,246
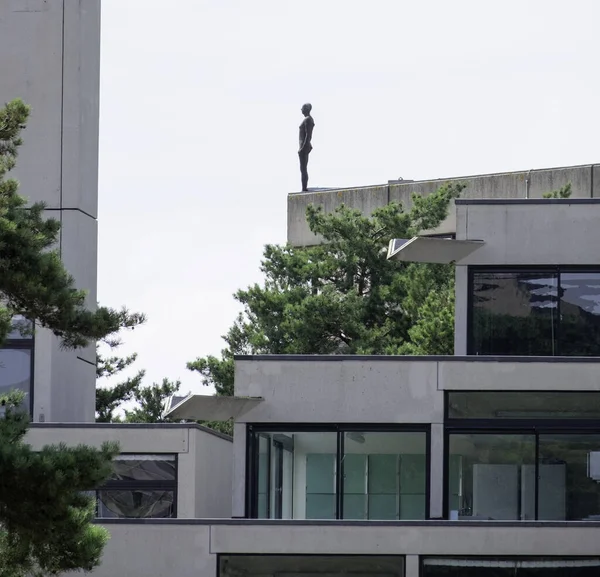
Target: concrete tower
51,59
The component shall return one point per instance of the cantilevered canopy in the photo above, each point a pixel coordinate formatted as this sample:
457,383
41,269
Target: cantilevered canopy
431,249
205,407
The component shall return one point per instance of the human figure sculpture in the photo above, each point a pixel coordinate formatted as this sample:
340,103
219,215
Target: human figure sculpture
306,130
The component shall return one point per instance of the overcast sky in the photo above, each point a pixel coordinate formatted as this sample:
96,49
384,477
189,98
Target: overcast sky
200,107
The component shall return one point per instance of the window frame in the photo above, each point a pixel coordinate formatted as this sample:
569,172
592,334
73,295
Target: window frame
253,431
147,485
500,426
553,269
25,344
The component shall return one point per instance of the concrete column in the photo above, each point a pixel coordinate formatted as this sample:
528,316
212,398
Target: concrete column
436,471
461,309
412,566
238,505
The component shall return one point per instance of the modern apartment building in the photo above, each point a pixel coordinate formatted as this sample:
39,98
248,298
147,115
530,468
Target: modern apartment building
484,464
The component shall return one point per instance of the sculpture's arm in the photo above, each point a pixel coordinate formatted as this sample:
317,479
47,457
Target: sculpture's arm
308,129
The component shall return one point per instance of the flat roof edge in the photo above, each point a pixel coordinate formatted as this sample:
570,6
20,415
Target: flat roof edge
445,179
190,425
411,358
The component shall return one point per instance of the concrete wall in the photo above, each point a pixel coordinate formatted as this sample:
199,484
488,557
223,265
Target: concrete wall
54,65
190,550
531,232
204,458
525,184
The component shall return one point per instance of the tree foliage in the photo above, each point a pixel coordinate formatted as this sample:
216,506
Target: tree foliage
33,280
45,519
45,516
344,296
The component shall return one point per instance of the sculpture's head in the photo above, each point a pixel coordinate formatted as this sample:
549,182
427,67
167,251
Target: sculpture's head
306,108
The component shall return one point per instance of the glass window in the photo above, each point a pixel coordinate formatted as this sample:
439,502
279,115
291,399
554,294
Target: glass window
384,475
579,313
311,565
569,477
141,486
489,476
514,313
523,405
21,329
503,567
135,504
15,370
296,475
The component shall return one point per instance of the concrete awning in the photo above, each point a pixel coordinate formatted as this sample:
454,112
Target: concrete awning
212,408
431,249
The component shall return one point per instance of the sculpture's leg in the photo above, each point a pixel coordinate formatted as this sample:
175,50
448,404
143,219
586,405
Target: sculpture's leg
304,170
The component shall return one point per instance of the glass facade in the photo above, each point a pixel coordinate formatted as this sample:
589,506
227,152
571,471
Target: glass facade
523,456
544,312
141,486
337,474
488,476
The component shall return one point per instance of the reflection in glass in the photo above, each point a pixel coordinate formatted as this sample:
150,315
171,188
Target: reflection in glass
21,328
15,371
504,567
580,314
311,565
523,405
296,475
485,476
135,504
571,487
514,313
144,468
384,475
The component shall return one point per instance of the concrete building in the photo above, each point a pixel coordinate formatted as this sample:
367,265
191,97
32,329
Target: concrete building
483,464
486,463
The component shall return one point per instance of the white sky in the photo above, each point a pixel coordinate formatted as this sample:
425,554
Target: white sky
200,107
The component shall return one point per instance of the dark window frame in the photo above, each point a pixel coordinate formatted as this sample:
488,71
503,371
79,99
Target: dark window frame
25,344
253,431
148,485
501,426
552,269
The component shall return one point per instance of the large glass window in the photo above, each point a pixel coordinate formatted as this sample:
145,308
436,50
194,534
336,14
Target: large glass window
554,311
569,467
141,486
384,475
523,455
503,567
488,476
338,474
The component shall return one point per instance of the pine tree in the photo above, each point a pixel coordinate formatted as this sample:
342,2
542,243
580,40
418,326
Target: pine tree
45,516
33,280
344,296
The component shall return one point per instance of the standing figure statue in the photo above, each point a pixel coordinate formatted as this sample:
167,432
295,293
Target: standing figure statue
306,130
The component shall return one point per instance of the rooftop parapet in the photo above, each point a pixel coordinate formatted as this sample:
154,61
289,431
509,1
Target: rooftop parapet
584,179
